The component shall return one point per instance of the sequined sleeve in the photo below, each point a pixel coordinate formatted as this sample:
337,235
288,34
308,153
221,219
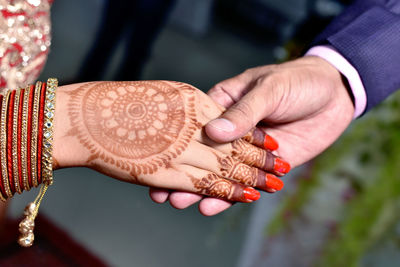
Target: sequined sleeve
24,41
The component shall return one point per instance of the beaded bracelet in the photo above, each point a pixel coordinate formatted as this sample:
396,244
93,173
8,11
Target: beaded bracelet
26,138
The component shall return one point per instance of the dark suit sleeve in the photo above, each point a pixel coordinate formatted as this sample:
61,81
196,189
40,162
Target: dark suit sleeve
367,34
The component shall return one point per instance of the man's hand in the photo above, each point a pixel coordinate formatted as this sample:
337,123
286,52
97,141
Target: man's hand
303,104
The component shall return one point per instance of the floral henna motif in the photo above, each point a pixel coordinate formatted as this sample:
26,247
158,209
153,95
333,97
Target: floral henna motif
134,121
136,126
260,158
242,173
213,185
251,156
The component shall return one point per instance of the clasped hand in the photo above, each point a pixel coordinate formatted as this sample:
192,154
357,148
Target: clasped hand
152,133
180,142
304,104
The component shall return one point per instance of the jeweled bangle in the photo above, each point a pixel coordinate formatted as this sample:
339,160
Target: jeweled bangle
34,135
40,132
10,117
3,145
15,142
48,100
3,195
24,136
29,133
47,159
19,141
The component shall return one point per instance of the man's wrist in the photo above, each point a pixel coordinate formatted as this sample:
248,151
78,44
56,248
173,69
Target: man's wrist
347,70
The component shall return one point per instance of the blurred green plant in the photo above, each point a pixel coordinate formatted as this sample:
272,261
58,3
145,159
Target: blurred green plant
367,160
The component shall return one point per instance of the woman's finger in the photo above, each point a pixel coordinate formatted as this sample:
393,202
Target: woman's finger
259,138
210,184
231,168
251,155
260,158
194,180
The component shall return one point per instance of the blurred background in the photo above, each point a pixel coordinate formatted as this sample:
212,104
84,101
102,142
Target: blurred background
329,214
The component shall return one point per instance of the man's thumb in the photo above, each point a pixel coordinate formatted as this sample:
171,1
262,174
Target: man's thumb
234,123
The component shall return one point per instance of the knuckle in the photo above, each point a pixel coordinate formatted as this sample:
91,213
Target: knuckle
273,87
242,109
245,174
213,185
272,80
248,74
249,154
248,71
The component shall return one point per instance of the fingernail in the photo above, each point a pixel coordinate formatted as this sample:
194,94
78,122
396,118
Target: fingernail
251,194
270,143
273,182
222,125
281,166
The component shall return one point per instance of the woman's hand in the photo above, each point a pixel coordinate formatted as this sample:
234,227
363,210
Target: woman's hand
151,133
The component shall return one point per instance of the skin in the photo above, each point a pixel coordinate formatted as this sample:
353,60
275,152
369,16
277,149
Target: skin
287,101
151,133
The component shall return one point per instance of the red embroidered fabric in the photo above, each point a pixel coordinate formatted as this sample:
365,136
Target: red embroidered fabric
24,41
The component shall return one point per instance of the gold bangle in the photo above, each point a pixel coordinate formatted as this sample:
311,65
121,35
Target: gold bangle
3,145
5,196
15,142
24,136
48,126
2,197
34,135
26,226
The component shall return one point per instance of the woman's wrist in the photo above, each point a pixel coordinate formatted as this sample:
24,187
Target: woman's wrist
67,151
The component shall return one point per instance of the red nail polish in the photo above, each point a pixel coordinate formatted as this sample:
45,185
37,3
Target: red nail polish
270,143
281,166
273,182
251,194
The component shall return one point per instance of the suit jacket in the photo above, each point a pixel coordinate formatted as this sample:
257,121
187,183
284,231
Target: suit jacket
367,34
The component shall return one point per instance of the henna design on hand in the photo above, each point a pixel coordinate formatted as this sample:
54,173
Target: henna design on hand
251,136
216,186
250,176
232,169
250,155
136,126
257,137
213,185
260,158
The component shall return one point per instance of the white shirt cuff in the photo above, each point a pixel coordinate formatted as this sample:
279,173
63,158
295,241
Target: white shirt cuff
330,54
